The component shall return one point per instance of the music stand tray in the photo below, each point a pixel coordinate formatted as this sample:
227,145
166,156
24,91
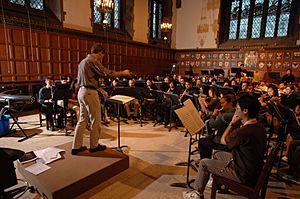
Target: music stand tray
119,100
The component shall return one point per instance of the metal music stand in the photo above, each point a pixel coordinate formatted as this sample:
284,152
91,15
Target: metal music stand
139,93
159,99
119,102
13,112
191,120
174,104
63,93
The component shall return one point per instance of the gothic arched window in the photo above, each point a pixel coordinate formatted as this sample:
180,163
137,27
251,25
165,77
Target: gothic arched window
155,18
250,19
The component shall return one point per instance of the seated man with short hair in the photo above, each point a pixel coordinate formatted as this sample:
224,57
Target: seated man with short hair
248,144
134,102
48,106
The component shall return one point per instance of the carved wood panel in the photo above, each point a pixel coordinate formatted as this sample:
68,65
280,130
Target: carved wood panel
32,55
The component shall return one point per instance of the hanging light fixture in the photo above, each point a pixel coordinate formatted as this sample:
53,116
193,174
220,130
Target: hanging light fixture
166,26
105,6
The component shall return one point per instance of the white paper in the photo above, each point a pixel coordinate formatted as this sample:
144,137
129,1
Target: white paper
49,154
122,98
37,168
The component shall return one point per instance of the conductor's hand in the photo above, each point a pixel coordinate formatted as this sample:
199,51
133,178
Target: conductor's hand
104,93
126,72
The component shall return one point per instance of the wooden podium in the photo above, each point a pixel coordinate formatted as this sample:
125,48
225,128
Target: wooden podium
75,174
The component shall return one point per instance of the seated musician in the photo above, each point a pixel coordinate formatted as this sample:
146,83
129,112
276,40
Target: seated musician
189,91
173,89
199,86
265,114
216,125
150,84
149,103
248,145
211,100
165,84
288,77
134,102
289,98
164,107
48,106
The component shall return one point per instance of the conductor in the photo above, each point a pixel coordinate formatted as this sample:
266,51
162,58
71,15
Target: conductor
90,70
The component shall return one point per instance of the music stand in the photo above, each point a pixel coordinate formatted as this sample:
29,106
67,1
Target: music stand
63,93
139,93
119,100
174,104
236,70
191,120
204,72
159,98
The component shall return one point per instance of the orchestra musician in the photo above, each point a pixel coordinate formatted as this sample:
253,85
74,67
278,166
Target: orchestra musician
188,91
289,98
48,106
288,77
134,102
173,89
216,125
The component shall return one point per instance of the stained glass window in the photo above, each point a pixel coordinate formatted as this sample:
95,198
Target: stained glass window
97,15
234,19
117,14
112,19
271,18
257,18
35,4
284,18
19,2
154,29
265,20
159,19
156,16
244,19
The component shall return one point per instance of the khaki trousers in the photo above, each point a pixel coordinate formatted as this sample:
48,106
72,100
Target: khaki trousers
90,111
220,165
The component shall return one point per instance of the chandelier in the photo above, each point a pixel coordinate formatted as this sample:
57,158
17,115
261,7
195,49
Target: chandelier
105,6
165,26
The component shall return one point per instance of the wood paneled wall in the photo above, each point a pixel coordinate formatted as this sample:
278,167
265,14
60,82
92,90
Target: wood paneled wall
30,55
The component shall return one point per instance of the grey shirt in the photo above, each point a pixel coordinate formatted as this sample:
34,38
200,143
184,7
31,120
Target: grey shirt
89,72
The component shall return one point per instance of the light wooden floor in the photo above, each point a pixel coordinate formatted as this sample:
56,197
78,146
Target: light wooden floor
153,152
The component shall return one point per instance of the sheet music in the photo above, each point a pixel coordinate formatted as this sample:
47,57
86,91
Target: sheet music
49,154
122,98
189,104
37,168
202,103
190,120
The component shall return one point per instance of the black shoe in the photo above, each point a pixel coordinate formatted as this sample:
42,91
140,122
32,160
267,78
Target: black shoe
98,148
51,128
81,149
134,118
